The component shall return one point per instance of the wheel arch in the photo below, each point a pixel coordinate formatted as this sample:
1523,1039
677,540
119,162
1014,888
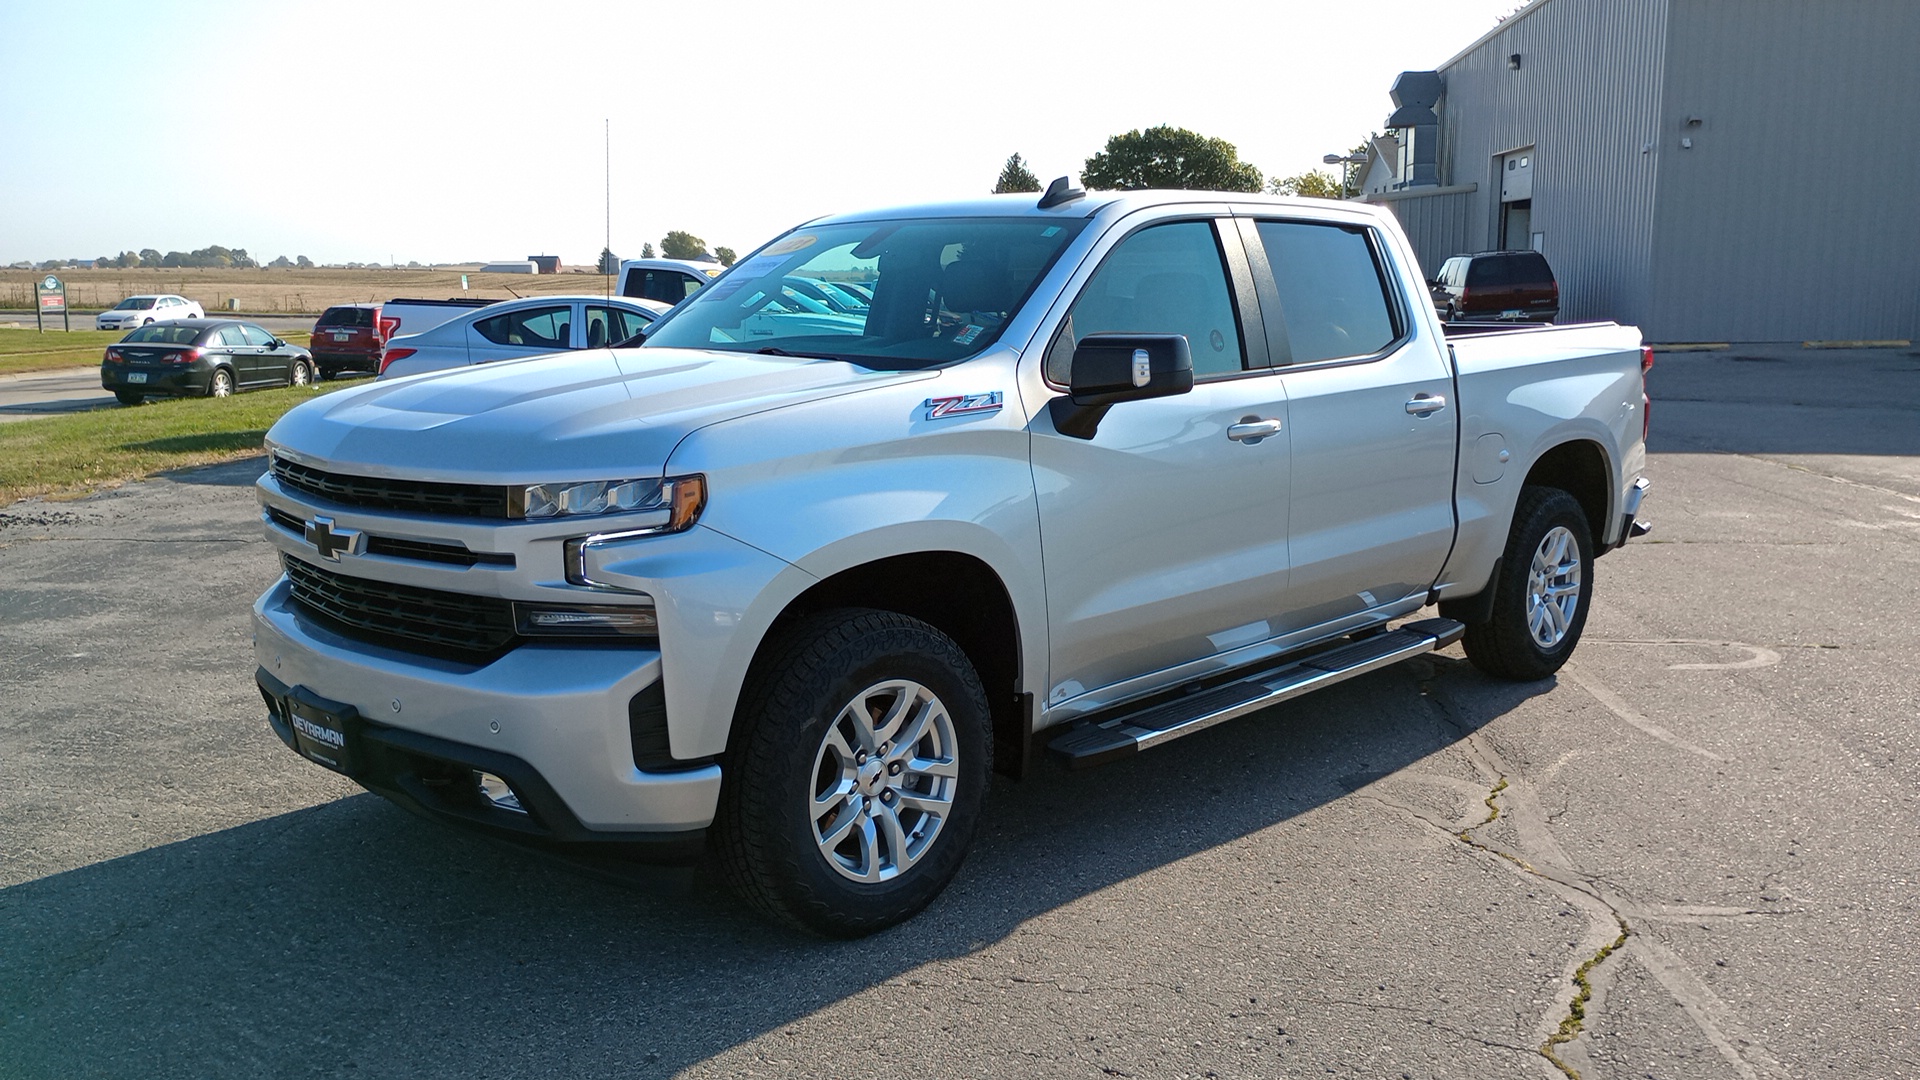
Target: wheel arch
958,594
1581,468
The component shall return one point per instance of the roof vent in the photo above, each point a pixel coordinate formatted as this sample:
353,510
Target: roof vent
1059,193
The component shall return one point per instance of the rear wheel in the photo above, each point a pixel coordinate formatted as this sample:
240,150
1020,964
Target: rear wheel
1542,592
128,397
220,383
857,774
299,374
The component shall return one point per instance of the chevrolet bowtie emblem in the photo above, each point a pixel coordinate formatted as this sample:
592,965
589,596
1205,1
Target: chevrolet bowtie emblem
332,543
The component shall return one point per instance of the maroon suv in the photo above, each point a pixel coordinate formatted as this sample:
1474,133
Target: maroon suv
1497,286
349,337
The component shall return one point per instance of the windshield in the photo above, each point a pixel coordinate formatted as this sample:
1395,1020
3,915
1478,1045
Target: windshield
134,303
941,289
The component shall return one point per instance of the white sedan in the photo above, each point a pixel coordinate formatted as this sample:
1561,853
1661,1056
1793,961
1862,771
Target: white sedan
141,310
530,326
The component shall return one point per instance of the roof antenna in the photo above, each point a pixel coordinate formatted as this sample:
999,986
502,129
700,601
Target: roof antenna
1059,193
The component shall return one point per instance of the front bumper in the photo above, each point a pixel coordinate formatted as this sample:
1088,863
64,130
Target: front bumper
551,719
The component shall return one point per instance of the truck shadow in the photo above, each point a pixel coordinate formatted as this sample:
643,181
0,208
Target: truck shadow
351,937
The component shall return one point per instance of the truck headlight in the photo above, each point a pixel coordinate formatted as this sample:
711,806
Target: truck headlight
684,496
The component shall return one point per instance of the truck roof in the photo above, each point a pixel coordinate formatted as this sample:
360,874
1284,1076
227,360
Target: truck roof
1027,204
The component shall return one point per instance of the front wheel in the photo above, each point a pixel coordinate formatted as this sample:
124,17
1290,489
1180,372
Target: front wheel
857,774
1542,592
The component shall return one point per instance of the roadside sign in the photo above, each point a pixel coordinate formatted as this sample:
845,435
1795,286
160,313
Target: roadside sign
51,296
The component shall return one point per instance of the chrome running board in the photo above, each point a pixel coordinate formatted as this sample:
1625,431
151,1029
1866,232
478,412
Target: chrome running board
1100,740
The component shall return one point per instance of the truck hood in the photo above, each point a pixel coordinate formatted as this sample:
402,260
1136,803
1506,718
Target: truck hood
599,414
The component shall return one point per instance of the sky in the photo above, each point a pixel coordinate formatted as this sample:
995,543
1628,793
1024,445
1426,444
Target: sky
400,131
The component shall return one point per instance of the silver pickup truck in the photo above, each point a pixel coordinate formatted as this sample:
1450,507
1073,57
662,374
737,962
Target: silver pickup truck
1090,473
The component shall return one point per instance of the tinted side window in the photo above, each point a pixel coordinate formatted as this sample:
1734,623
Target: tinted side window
1485,272
1164,279
611,325
232,337
1331,291
539,328
257,336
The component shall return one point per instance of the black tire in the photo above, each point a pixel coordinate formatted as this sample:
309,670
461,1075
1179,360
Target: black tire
220,383
128,397
798,700
299,374
1506,645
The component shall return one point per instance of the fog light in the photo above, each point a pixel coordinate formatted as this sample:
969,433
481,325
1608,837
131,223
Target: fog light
498,792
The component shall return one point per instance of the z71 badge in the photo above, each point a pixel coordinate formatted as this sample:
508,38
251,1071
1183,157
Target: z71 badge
961,406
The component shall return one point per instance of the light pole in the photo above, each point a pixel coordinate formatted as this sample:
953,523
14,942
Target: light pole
1346,162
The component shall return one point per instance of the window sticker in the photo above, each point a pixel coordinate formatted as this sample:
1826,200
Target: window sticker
791,244
758,266
967,334
1051,230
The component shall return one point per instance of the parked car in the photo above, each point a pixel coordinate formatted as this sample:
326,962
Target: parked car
200,358
1504,286
152,308
530,326
668,281
349,337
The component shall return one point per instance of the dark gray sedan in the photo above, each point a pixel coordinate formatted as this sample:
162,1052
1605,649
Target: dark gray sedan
201,358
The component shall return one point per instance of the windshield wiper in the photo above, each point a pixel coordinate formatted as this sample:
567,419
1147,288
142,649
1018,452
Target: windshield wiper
775,350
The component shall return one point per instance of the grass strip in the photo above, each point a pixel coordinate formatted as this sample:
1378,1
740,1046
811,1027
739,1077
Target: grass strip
78,453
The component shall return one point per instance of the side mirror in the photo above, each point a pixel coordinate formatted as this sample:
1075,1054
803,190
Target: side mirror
1111,368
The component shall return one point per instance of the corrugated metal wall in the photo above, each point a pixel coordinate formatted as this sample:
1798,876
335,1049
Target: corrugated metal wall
1436,221
1796,213
1586,98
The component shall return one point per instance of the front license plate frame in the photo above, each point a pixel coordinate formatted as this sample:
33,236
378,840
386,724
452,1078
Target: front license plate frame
320,735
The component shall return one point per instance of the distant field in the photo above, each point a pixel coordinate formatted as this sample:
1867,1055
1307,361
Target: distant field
30,350
284,291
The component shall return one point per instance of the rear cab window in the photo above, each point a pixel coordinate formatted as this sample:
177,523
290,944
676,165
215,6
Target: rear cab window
1334,299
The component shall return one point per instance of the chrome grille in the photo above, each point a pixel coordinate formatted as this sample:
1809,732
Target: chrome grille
451,625
381,493
422,550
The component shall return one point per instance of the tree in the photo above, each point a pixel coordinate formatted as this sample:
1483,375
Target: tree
682,245
127,259
1313,184
725,255
646,251
281,263
302,262
1015,176
1169,157
609,262
149,257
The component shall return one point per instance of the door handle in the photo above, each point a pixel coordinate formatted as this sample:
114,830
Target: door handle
1422,404
1252,429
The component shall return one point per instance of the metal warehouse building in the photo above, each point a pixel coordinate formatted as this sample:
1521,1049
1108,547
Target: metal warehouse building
1711,170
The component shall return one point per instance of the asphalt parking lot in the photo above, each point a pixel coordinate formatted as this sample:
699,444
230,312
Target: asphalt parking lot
1725,782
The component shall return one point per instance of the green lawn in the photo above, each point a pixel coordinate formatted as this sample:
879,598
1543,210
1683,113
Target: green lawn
80,452
30,350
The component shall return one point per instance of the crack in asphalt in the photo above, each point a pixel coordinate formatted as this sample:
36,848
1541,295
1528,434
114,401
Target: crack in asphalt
1464,1036
1713,1017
